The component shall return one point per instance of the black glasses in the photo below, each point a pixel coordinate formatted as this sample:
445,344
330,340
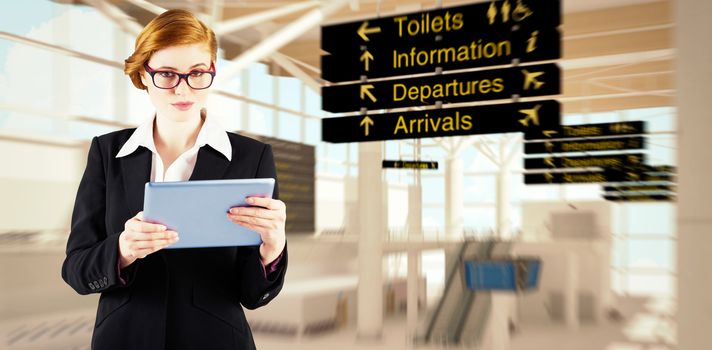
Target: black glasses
196,79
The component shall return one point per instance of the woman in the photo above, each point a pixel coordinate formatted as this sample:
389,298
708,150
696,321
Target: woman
153,298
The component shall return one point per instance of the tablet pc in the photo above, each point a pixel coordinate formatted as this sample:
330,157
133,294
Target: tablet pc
197,210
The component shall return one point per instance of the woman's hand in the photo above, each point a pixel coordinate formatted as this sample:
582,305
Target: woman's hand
141,238
266,216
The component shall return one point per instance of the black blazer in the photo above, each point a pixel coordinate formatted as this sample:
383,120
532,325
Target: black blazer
173,299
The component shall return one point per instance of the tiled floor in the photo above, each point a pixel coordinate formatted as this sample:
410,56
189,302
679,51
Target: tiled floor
646,325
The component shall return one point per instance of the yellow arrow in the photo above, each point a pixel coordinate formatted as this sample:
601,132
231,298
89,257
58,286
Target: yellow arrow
365,57
366,122
364,29
365,90
532,114
549,161
548,133
549,177
530,78
549,146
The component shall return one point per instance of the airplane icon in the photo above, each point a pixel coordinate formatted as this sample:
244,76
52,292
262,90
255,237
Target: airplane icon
530,78
532,114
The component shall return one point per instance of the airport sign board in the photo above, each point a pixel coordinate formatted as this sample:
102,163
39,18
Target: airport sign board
602,161
587,130
442,23
456,121
641,198
409,164
585,145
599,176
523,81
452,53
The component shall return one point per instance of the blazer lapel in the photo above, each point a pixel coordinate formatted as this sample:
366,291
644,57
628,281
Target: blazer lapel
136,171
210,165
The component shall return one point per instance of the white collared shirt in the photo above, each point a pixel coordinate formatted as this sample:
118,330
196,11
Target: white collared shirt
210,133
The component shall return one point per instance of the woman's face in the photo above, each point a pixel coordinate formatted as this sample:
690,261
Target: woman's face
182,102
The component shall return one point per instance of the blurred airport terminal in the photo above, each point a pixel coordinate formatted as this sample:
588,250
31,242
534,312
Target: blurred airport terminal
560,201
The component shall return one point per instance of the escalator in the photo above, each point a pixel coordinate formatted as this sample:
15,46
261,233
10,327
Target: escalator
461,314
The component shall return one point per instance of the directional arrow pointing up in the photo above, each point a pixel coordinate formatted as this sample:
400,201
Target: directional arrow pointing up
366,91
363,30
365,57
366,122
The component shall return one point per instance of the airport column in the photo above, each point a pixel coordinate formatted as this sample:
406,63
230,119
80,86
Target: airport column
415,228
453,195
370,249
504,206
694,217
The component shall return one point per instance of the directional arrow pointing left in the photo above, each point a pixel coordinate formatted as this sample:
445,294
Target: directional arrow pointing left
364,29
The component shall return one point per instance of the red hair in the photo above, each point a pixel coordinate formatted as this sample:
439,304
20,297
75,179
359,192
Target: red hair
171,28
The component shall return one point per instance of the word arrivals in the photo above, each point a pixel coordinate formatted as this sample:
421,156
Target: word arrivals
426,124
475,120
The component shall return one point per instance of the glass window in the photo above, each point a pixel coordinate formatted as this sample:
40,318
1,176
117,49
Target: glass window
572,119
433,219
481,219
481,162
260,120
233,85
541,192
433,190
260,83
650,284
84,28
661,149
480,189
289,126
650,254
582,192
604,117
313,132
26,16
289,92
313,103
650,218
